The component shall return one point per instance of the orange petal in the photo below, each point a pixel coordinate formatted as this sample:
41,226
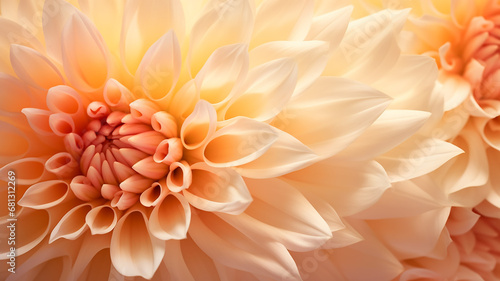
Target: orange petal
97,110
45,194
72,224
151,169
136,184
102,219
61,124
168,151
147,141
63,165
164,123
124,200
143,109
180,176
170,218
151,196
117,96
83,188
199,126
108,191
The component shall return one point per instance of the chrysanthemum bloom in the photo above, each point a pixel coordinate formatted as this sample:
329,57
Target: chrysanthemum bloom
202,141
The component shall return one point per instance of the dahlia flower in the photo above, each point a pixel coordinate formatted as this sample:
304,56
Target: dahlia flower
203,140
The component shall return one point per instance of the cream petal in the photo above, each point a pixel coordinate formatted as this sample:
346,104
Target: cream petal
170,218
221,24
150,168
234,249
164,123
223,73
14,96
143,109
34,68
199,126
310,57
309,116
64,99
107,17
38,120
241,141
54,17
134,251
12,32
102,219
45,194
146,142
83,189
140,24
180,176
282,20
488,129
417,156
359,182
184,101
390,129
61,124
378,52
29,170
330,27
217,190
63,165
455,89
136,184
117,96
268,89
466,170
72,225
160,68
286,154
295,223
123,200
84,53
397,233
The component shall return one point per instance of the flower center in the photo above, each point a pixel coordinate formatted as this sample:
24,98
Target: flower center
122,157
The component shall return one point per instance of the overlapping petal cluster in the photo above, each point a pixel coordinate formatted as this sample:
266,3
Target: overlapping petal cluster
210,140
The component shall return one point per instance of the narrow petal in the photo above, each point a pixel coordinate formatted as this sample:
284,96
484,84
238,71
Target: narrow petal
153,195
34,68
417,156
74,144
124,200
131,156
180,176
241,141
199,126
232,248
160,68
310,57
389,130
72,225
309,116
330,27
108,191
61,124
220,24
168,151
294,223
268,88
45,194
83,189
164,123
136,184
223,74
170,218
84,53
150,168
102,219
38,120
217,190
140,24
63,165
117,96
147,141
134,251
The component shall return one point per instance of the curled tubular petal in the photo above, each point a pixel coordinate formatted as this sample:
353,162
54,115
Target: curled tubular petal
180,176
170,218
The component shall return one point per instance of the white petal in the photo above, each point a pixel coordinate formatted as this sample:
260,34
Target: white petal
331,114
330,27
217,190
223,73
390,129
170,218
160,68
222,23
417,156
455,89
239,142
268,88
134,251
140,28
280,213
199,126
232,248
310,57
85,56
357,185
44,194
